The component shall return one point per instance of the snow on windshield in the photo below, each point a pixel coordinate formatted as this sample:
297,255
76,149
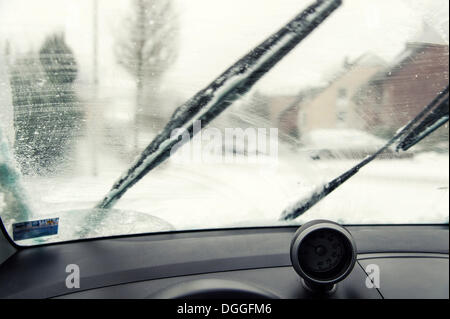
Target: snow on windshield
86,85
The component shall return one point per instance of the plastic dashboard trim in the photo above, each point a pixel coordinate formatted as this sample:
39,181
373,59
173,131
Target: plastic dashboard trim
241,249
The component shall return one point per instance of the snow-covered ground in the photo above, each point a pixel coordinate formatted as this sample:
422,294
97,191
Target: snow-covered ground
332,139
194,196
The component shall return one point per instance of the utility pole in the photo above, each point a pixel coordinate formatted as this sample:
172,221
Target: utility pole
94,115
95,42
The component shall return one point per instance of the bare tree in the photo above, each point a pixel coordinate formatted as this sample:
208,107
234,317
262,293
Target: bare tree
147,46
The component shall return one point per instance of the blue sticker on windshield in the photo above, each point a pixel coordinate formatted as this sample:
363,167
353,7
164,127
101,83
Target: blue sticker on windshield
35,228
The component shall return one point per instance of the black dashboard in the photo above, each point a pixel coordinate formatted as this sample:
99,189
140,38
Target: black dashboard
412,261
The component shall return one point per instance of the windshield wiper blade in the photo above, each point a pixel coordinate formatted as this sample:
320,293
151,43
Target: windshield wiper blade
303,205
438,116
228,87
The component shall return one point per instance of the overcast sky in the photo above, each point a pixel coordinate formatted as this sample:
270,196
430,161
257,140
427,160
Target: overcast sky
214,33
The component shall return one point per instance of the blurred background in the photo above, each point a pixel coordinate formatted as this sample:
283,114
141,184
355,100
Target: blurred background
87,84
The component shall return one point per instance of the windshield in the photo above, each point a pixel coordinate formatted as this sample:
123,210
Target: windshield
89,89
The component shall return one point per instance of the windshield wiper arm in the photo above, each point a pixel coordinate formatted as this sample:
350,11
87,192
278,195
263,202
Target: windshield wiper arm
228,87
434,110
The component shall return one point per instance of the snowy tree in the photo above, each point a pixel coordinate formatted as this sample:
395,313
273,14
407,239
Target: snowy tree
147,46
57,60
47,114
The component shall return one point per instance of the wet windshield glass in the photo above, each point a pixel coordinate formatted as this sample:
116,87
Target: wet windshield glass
85,86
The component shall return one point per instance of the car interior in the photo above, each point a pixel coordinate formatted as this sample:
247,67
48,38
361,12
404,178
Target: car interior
292,258
227,263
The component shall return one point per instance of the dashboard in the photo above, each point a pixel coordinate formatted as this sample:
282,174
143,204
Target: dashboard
395,261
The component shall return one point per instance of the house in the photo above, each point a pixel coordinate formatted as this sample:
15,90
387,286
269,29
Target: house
332,107
287,117
395,95
281,111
